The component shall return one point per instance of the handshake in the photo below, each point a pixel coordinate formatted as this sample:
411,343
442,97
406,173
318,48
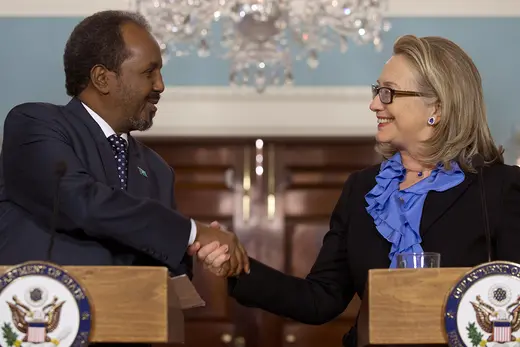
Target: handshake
219,250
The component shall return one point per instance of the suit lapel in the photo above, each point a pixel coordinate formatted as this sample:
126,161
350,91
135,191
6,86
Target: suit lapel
437,203
138,172
102,145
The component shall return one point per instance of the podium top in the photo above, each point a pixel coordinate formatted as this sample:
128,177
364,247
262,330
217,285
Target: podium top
131,304
406,306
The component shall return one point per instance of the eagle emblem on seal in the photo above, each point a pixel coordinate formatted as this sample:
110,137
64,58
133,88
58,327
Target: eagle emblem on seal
36,321
500,321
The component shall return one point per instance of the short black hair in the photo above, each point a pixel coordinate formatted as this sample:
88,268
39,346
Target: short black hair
97,39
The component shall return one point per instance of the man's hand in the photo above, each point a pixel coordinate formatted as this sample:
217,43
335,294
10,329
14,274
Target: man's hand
238,260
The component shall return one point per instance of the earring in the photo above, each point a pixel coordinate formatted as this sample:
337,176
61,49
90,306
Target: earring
431,120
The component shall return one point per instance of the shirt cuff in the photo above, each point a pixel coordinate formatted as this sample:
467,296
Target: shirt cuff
193,233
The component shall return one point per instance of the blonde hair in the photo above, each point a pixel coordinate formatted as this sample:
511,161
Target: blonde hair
447,73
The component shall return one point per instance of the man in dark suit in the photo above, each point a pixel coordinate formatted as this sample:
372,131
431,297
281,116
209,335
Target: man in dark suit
116,196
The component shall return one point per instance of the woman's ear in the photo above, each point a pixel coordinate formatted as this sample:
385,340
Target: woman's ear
437,113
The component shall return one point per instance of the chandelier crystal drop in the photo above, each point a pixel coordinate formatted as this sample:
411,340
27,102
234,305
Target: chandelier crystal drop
262,38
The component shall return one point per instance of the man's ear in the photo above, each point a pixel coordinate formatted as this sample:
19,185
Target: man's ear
99,76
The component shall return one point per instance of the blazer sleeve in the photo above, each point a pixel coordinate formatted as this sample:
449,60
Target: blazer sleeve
319,297
35,139
508,236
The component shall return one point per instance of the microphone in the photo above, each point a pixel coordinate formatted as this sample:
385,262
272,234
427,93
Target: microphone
59,171
478,163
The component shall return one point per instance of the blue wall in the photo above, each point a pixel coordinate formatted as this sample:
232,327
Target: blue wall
32,48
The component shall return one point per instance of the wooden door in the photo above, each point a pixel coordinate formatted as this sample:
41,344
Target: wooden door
302,183
277,195
211,183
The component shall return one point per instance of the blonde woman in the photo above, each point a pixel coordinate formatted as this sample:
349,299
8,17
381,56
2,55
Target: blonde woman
423,197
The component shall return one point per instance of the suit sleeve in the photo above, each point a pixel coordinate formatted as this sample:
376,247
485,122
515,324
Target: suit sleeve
508,236
186,265
319,297
34,141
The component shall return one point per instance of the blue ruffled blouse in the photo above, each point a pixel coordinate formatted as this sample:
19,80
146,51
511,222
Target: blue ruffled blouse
397,213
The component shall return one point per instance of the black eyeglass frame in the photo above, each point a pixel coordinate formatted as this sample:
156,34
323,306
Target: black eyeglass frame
393,93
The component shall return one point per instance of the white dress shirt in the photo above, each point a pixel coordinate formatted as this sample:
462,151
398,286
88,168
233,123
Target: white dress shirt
108,131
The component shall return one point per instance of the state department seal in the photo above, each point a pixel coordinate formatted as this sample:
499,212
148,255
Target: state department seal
42,305
483,308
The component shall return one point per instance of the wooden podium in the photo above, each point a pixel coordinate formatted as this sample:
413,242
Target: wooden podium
406,306
135,304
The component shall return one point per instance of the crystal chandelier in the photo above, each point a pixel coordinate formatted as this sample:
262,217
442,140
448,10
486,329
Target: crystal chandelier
262,38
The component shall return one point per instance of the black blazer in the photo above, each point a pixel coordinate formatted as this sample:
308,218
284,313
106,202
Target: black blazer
99,223
452,225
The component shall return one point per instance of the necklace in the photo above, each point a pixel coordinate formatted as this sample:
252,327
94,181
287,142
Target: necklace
419,173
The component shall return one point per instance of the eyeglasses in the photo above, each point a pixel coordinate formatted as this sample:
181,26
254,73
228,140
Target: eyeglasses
386,94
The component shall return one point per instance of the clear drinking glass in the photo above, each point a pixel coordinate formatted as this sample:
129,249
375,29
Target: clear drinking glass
418,260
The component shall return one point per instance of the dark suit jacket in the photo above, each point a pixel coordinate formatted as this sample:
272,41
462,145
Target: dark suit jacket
99,224
452,225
